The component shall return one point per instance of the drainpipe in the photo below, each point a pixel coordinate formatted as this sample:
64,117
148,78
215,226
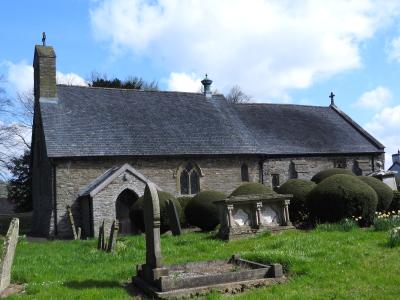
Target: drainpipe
54,193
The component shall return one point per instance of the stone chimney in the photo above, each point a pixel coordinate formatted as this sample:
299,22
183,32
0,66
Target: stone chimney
396,157
44,71
206,82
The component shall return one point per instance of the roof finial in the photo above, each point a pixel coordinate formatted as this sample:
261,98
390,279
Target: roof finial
206,82
332,96
44,38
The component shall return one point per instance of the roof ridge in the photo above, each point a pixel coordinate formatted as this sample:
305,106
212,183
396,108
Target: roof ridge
133,90
280,104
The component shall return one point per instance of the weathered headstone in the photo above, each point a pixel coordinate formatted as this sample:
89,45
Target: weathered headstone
10,242
113,236
173,218
77,234
152,270
100,241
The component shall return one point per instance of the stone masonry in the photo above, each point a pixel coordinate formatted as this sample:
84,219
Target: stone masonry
221,174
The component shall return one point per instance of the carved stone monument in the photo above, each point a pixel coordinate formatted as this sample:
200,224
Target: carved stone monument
198,278
173,218
248,214
10,243
152,270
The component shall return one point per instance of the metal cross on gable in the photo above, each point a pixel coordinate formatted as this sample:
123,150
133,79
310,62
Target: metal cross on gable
44,38
332,96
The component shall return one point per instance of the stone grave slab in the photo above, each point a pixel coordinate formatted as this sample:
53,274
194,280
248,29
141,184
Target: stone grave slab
197,278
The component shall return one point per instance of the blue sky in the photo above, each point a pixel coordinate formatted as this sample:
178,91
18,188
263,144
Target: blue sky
277,51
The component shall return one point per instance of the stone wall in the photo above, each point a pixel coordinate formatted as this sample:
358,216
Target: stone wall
307,167
42,183
221,174
103,203
218,173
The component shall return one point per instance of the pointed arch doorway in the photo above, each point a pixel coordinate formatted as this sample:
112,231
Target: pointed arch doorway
123,205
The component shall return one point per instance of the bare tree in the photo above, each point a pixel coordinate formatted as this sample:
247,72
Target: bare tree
15,125
236,95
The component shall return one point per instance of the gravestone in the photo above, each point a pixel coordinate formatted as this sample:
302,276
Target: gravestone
152,270
10,242
173,218
198,278
113,236
77,234
100,241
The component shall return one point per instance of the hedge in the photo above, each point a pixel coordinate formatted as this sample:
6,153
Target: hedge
202,212
136,211
395,205
299,188
251,188
342,196
317,178
384,192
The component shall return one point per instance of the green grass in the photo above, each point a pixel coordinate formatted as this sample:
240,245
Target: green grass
356,264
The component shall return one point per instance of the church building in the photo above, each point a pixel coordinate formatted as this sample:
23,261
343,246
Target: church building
94,149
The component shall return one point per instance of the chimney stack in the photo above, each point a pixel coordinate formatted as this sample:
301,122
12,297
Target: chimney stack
44,71
206,82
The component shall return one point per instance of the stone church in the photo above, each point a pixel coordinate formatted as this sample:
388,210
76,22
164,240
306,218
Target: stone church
95,148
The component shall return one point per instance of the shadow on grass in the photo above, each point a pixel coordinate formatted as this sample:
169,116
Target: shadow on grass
134,292
90,284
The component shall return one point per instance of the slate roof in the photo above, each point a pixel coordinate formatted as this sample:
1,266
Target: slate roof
114,122
395,167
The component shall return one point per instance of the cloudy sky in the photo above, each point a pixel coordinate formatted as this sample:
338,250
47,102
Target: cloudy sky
277,51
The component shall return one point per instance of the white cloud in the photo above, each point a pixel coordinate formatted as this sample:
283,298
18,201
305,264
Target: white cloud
70,79
385,125
394,49
20,77
267,47
183,82
376,99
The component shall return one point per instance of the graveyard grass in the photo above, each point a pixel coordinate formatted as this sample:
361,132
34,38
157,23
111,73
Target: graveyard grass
321,264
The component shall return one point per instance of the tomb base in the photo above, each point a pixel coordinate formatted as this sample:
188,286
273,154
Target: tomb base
201,278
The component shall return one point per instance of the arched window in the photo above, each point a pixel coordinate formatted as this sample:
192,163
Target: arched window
189,179
245,172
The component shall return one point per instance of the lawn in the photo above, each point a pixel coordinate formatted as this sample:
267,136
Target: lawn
321,265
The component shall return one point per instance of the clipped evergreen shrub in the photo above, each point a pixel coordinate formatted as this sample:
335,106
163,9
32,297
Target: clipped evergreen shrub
342,196
183,201
137,216
202,212
395,205
317,178
250,188
299,188
384,192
